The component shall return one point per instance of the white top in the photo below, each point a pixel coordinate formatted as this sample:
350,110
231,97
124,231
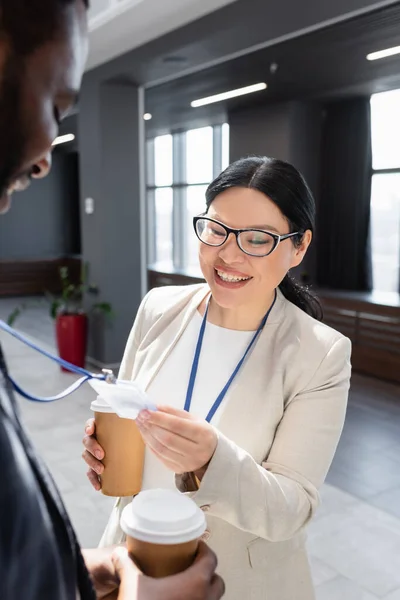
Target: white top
221,351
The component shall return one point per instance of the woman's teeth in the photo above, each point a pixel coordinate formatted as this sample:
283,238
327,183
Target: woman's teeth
231,278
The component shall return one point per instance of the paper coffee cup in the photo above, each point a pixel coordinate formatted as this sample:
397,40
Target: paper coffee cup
163,528
123,451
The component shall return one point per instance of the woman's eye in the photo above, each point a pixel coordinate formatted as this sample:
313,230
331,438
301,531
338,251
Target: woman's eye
260,240
217,232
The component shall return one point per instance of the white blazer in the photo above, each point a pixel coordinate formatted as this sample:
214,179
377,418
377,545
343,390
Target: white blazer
277,436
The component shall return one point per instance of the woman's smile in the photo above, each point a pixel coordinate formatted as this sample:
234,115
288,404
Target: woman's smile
230,279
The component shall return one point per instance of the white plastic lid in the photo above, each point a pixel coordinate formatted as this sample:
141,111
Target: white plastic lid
99,405
163,517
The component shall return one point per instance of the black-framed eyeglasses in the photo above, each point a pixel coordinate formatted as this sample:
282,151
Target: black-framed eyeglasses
254,242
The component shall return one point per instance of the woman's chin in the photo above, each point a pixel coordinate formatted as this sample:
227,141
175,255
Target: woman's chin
228,295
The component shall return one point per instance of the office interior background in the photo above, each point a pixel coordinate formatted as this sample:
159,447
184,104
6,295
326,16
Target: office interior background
133,172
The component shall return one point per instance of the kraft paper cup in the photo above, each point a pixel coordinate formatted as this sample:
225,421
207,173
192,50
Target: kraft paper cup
163,528
123,451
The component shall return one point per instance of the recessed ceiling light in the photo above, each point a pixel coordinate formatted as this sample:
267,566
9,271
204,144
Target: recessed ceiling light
257,87
63,139
147,116
383,53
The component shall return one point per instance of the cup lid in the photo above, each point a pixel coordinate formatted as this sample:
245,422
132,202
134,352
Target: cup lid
163,517
101,406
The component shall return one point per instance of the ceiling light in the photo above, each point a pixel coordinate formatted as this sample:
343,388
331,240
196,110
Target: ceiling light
257,87
383,53
63,139
147,116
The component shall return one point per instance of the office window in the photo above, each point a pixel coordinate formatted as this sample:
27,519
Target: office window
199,155
163,230
225,146
179,168
163,160
385,194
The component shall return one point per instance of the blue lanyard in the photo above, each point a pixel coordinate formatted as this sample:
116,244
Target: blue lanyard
195,365
86,375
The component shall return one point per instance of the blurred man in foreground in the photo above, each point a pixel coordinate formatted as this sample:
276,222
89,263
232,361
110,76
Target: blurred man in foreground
43,49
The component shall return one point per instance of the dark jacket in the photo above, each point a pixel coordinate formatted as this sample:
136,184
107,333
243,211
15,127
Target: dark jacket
40,558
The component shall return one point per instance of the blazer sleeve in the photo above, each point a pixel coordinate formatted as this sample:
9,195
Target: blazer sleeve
276,499
134,339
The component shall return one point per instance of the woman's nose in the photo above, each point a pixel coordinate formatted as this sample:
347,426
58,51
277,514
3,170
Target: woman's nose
230,251
42,167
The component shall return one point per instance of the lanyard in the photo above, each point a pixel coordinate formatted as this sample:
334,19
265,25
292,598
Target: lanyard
195,365
86,375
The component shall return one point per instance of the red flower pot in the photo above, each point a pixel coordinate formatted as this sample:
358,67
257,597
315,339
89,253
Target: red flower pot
71,334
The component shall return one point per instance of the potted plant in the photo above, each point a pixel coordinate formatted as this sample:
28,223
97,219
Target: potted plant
70,317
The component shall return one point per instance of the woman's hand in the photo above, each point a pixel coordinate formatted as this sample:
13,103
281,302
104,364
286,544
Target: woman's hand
184,443
93,454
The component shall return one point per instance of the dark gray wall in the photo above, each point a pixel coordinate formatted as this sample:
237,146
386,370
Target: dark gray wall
110,174
43,220
306,134
264,131
289,131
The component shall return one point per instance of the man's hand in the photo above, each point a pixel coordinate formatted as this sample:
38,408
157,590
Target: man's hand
184,443
101,568
199,582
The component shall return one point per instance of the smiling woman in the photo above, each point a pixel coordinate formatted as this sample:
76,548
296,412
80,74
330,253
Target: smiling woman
244,376
247,195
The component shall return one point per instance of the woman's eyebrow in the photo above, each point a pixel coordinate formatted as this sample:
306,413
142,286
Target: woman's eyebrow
266,227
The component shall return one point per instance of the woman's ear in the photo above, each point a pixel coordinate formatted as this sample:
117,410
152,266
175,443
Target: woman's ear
301,249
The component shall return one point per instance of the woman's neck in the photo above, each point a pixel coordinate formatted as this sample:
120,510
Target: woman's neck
243,318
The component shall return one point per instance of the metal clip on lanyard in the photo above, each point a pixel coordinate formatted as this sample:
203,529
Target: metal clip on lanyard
106,374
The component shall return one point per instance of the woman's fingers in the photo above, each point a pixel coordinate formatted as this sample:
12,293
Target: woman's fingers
93,450
92,462
165,444
176,412
90,427
187,428
167,440
94,480
172,465
93,446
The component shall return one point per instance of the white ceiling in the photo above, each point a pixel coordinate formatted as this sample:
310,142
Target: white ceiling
117,26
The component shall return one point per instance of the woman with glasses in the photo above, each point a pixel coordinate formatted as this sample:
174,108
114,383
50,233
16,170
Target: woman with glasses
251,386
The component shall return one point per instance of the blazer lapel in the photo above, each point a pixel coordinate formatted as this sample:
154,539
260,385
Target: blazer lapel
157,346
242,412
